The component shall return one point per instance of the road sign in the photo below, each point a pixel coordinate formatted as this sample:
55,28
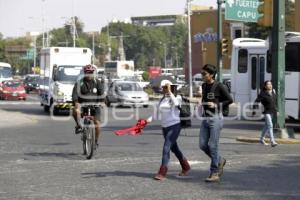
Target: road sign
205,37
242,10
29,54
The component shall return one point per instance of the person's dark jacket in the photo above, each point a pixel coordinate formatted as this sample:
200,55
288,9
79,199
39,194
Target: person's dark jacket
268,100
86,91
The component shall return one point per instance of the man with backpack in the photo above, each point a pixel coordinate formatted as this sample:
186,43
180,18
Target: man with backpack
215,102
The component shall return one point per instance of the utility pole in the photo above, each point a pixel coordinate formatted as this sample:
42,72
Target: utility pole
219,44
93,48
43,21
278,63
121,52
190,49
74,25
108,44
165,54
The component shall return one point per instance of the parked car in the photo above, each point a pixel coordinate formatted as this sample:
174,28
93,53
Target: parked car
126,93
31,82
12,90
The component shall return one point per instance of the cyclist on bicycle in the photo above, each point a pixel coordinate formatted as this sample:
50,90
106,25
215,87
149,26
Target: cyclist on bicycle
87,90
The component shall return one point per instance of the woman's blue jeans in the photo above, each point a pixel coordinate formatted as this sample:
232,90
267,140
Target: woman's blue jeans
268,127
171,134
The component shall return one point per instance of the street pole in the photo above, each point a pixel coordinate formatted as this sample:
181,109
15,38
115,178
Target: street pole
109,44
43,21
219,43
176,54
93,48
74,25
278,64
34,54
190,49
165,54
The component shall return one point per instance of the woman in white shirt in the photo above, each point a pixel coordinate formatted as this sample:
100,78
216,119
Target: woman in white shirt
168,109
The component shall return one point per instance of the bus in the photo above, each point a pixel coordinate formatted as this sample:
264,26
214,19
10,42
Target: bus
251,66
119,69
5,72
171,71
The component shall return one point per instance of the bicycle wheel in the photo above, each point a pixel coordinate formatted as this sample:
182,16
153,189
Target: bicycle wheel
83,138
90,138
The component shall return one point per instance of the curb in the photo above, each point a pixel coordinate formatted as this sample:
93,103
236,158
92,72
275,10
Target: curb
257,140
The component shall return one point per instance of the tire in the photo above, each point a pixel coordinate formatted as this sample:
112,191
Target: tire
84,141
90,138
145,106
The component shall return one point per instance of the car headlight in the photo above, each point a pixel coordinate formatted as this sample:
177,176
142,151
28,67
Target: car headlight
22,92
5,92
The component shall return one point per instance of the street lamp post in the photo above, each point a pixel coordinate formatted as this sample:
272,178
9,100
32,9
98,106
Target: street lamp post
34,35
165,54
190,48
93,48
43,20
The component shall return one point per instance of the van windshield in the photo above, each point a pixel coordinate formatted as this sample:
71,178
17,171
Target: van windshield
5,72
69,73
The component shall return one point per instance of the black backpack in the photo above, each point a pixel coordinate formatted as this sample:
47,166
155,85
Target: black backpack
225,109
185,113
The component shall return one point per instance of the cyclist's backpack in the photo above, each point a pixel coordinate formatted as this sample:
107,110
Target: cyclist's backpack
225,109
185,113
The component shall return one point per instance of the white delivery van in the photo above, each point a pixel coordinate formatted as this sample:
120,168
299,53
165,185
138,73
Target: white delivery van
61,67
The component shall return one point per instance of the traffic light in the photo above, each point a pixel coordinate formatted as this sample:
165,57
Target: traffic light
224,46
266,10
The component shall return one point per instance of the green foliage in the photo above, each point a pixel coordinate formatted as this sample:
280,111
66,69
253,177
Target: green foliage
145,76
144,45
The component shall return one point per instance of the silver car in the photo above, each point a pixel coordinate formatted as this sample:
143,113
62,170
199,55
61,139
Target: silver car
126,93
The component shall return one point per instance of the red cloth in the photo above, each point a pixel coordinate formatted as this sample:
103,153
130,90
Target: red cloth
134,130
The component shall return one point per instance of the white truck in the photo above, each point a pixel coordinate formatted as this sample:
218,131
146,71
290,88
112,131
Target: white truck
5,72
119,69
61,67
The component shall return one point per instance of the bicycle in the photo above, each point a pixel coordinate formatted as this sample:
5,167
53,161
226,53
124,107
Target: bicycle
88,132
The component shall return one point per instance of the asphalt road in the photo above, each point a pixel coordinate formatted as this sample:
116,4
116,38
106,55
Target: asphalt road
41,158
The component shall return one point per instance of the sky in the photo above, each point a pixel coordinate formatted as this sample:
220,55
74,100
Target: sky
20,16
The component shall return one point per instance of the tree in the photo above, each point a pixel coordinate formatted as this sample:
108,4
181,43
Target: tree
256,31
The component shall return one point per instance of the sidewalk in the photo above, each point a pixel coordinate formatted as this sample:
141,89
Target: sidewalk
278,140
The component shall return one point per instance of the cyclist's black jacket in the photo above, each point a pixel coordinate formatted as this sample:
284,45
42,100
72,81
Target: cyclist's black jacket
86,91
221,97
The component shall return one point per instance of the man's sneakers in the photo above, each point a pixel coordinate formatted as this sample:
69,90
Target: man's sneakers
78,129
262,141
273,144
213,177
221,165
